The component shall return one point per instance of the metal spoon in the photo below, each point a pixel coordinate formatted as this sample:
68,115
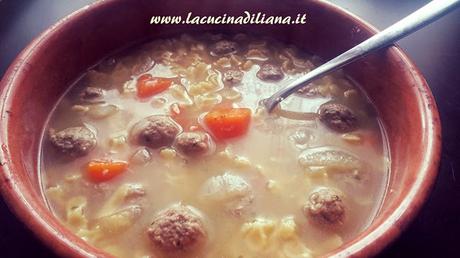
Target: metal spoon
411,23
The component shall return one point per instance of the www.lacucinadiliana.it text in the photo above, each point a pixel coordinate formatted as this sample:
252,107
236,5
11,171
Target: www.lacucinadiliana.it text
245,18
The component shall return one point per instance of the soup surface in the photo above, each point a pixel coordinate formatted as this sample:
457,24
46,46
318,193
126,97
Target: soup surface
164,150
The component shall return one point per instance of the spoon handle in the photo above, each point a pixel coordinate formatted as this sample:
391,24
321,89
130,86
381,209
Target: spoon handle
414,21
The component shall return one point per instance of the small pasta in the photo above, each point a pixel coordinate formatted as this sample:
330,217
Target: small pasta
118,140
246,66
80,108
257,233
75,210
119,221
266,235
101,111
202,88
287,228
129,87
168,153
179,92
119,197
257,54
197,73
223,62
207,101
231,94
235,161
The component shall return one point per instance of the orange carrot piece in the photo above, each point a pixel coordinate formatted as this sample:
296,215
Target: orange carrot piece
227,123
101,171
147,85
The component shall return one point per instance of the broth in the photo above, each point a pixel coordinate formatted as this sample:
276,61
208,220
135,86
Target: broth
163,150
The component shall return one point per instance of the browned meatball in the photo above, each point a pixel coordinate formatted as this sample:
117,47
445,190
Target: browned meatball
338,117
73,141
233,77
224,47
155,131
193,144
179,228
92,95
325,207
270,72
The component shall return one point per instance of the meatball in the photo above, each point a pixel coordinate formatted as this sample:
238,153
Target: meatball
193,144
233,77
224,47
155,131
338,117
270,72
92,95
179,228
231,191
73,141
325,207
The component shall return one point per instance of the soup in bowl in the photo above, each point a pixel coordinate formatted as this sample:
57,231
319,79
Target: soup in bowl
163,149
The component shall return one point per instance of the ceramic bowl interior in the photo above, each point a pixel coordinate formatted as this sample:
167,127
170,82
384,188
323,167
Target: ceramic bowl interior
43,72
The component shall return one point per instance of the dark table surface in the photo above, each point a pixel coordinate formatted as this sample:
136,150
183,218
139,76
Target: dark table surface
435,49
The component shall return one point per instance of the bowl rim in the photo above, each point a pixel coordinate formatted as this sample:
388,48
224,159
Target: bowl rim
362,245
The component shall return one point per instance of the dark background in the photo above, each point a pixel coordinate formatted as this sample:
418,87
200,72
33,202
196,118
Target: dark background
435,49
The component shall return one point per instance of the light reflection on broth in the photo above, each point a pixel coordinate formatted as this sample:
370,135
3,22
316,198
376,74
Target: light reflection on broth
164,151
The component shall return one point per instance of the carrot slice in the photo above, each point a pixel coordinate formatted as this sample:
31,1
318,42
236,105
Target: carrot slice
147,85
227,123
101,171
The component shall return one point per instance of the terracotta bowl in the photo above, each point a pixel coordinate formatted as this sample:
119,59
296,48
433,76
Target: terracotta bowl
44,70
